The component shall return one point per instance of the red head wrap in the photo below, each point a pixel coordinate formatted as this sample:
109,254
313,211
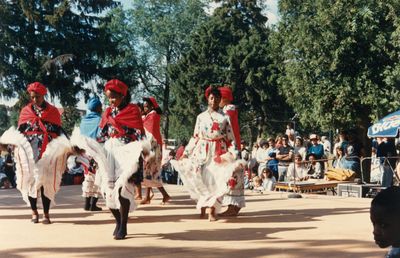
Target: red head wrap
207,92
226,93
38,88
117,86
153,101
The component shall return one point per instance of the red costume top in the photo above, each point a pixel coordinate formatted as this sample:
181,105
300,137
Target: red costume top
151,123
233,114
129,117
49,114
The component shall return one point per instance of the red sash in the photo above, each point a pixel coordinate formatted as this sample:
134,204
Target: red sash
129,116
50,114
151,123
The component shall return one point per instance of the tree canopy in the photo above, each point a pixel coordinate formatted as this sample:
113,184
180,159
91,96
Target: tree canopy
232,47
57,42
339,65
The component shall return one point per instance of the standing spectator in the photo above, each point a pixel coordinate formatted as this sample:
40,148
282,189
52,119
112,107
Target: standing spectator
385,150
316,148
299,148
285,156
289,130
327,145
262,156
244,151
9,168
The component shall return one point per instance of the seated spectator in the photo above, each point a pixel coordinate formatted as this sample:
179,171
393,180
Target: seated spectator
4,182
315,169
297,170
384,214
268,180
351,161
339,158
9,167
257,184
248,180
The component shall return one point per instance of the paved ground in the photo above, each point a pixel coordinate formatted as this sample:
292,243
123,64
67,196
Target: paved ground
270,226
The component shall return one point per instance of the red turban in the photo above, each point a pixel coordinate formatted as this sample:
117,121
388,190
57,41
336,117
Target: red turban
207,92
117,86
226,93
38,88
153,101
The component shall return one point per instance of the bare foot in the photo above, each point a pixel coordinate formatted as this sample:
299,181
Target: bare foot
211,214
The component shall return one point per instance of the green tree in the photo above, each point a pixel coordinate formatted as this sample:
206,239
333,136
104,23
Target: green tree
339,65
70,118
4,118
153,35
231,47
52,41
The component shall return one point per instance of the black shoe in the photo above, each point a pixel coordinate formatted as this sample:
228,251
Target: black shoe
121,234
87,204
116,229
93,206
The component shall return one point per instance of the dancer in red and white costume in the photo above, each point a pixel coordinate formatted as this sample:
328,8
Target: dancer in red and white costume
234,198
41,151
152,168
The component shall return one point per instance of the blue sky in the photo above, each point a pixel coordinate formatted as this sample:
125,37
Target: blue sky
271,12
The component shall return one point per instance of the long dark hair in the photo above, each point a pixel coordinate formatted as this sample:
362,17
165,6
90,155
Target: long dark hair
157,109
126,100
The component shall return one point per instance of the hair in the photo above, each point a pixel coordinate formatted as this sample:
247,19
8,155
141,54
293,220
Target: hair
389,199
157,109
257,180
269,172
215,91
125,100
298,156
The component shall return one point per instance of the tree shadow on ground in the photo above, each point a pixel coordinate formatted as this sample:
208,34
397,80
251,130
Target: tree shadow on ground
316,248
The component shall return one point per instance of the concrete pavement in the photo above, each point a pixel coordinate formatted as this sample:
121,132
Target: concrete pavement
270,226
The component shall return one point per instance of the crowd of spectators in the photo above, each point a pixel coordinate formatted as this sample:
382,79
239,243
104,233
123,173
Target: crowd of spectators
291,156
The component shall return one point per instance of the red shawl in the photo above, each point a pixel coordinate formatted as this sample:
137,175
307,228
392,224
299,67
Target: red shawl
151,123
129,116
50,114
233,116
